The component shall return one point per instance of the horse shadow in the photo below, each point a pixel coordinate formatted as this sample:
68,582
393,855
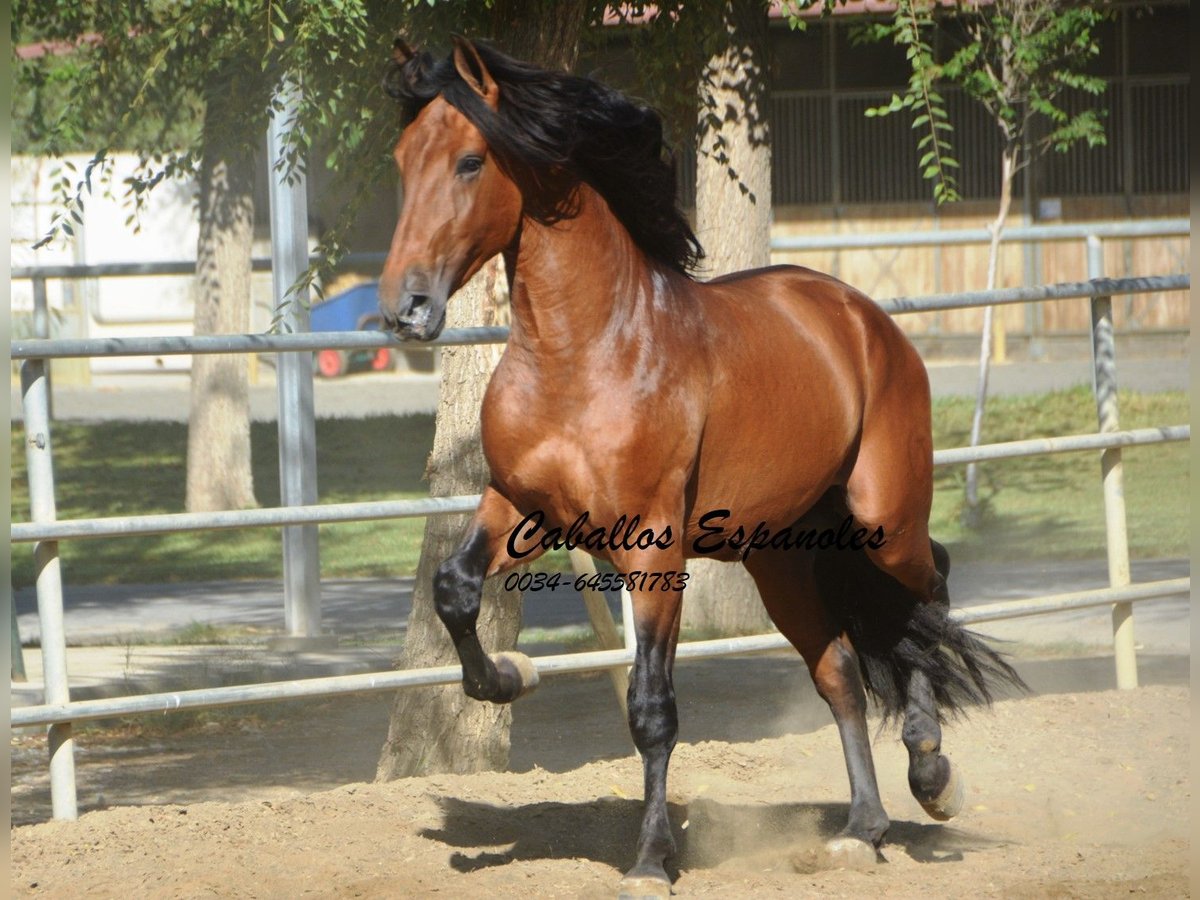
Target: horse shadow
709,834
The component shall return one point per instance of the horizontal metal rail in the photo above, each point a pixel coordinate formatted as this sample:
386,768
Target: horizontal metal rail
1061,232
116,526
167,523
1096,287
1028,234
1064,444
239,695
61,348
164,267
65,348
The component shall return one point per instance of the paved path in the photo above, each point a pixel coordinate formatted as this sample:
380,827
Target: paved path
165,398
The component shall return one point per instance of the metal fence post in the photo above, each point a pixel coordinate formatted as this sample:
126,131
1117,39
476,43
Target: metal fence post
17,656
1104,358
297,427
40,466
41,329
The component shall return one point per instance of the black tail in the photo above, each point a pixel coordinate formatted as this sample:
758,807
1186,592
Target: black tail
895,634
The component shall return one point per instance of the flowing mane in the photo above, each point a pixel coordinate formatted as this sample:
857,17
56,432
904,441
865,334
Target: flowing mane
555,122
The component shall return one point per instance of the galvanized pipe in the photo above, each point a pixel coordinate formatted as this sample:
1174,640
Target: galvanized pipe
208,698
118,526
41,328
115,526
39,463
367,340
64,348
1064,291
945,237
1064,444
294,374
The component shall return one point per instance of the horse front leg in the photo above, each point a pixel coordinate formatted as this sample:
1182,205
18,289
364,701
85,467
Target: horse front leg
457,588
653,719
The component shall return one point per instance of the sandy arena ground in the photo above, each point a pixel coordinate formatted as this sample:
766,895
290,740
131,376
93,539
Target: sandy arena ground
1069,795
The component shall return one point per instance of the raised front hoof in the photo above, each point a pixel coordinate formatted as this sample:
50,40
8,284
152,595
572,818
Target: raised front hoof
949,800
518,675
644,887
846,852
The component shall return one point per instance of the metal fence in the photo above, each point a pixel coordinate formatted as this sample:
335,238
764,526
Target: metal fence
44,531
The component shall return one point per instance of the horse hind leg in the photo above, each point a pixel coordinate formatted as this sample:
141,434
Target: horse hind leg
935,783
917,661
789,591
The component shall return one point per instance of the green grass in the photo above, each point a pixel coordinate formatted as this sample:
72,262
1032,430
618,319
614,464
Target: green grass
1052,507
1045,507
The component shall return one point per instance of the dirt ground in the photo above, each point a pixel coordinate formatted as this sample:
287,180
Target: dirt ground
1068,795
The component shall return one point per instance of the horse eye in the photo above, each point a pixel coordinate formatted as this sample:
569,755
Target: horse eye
469,165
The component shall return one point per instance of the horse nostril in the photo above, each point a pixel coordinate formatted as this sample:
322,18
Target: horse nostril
417,302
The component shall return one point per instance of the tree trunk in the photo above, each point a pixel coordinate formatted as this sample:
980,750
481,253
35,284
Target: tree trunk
218,460
733,217
545,32
441,729
972,513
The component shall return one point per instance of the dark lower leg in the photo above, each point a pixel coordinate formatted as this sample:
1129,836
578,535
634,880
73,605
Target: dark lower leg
930,775
839,682
457,588
654,723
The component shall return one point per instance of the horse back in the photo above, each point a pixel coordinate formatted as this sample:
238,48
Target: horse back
801,366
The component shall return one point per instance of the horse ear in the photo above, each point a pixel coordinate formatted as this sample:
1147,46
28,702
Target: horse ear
472,70
401,52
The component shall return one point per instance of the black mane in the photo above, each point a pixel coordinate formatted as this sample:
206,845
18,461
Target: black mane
557,122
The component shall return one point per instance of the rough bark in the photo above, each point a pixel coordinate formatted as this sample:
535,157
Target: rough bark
542,31
733,217
218,460
441,729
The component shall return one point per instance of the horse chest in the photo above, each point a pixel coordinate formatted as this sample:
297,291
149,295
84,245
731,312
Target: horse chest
567,467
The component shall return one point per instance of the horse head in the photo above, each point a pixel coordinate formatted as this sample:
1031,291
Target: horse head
460,208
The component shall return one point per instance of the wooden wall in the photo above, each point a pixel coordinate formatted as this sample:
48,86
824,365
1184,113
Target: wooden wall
913,271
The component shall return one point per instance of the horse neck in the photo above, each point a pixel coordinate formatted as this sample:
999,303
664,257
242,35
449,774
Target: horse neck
570,280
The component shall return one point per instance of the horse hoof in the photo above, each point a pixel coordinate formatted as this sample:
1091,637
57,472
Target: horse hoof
949,802
643,888
520,667
846,852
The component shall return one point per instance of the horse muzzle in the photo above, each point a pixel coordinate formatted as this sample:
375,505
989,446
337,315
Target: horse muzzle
418,312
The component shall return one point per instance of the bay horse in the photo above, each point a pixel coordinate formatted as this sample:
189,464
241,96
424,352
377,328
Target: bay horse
731,417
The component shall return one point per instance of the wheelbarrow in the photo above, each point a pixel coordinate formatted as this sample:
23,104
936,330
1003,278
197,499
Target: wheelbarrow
354,310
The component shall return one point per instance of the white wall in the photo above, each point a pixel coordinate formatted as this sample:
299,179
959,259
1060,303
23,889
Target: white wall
119,306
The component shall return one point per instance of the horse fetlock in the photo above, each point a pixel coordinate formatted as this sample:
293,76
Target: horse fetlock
870,826
921,733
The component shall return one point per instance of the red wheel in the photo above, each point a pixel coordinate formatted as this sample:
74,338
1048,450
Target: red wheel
330,363
382,361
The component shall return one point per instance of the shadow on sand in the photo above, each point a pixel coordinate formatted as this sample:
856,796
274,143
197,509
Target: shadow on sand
709,834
